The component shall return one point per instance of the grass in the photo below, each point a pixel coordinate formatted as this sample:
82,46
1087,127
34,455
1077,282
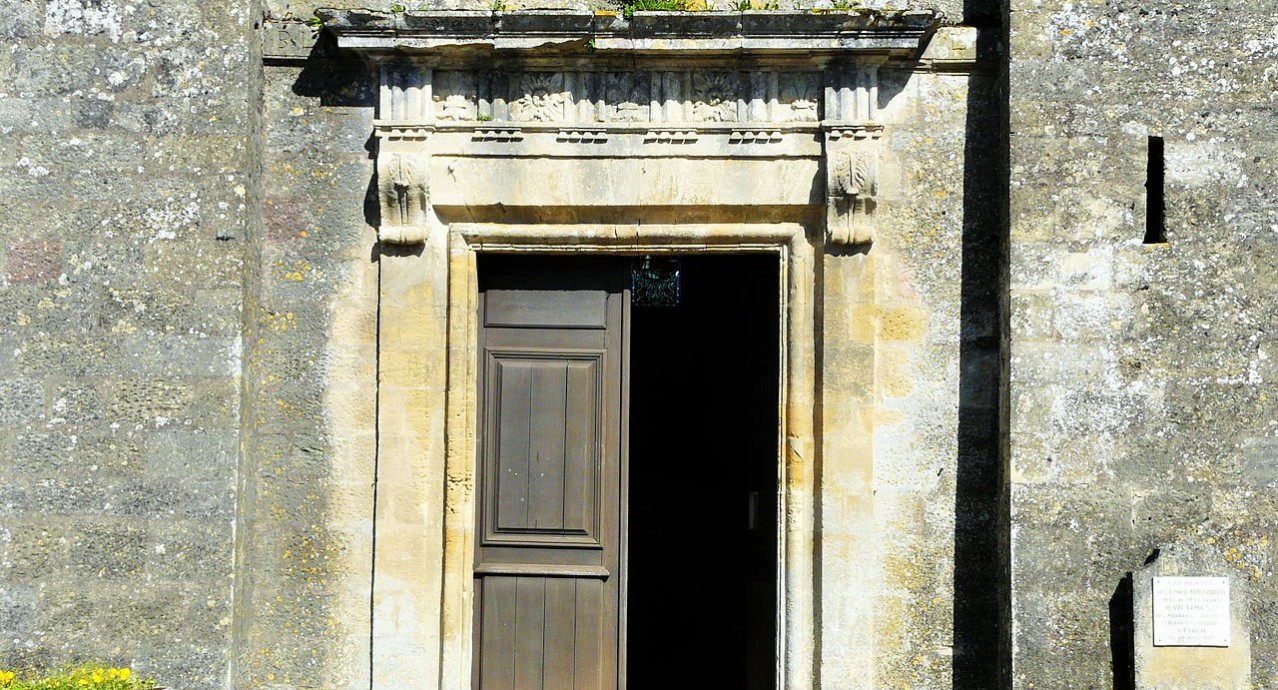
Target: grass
629,7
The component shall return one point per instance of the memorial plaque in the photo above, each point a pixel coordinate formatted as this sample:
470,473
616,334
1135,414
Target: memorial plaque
1191,611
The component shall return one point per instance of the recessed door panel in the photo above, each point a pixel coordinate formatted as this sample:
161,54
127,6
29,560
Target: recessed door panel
545,453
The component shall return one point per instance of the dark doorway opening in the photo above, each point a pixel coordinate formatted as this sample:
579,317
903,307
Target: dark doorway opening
703,470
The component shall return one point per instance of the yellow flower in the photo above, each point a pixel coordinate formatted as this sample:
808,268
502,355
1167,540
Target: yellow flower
84,681
6,677
98,675
125,673
113,673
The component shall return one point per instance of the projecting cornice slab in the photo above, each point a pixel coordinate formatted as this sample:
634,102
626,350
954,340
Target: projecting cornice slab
888,33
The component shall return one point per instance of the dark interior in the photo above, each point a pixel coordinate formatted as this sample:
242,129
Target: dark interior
703,480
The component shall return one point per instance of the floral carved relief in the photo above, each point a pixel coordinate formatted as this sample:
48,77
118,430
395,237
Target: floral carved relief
454,96
626,95
802,93
541,98
714,96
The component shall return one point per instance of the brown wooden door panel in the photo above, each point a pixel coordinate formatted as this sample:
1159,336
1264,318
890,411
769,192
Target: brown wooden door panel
554,629
547,309
544,473
551,392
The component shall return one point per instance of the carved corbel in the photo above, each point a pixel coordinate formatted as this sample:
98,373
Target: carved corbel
402,182
852,184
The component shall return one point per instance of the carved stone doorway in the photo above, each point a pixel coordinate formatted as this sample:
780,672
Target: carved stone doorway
562,132
784,246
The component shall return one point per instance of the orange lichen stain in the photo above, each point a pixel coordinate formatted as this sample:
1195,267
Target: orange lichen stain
903,571
298,272
278,322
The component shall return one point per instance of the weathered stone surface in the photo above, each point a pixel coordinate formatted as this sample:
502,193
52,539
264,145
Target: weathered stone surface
190,294
1137,368
111,341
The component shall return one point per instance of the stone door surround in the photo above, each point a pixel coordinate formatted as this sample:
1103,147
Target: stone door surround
568,132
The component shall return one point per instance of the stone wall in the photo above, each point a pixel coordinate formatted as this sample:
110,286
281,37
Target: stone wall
307,480
188,397
1143,375
126,196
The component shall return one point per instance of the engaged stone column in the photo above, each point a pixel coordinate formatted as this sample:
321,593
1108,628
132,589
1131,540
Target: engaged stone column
1191,622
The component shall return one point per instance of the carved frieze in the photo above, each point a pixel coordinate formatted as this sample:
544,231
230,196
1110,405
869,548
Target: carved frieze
615,110
622,97
846,92
626,97
540,97
454,96
800,96
714,96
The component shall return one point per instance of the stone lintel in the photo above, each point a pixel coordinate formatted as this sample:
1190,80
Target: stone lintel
889,33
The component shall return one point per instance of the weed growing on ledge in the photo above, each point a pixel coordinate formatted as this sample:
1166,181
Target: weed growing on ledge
629,7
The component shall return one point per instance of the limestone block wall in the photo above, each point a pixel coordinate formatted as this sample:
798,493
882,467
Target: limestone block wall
1142,375
304,544
894,504
127,178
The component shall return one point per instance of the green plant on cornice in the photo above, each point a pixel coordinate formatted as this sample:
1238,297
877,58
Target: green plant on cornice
501,6
747,5
629,7
398,9
846,4
316,24
483,118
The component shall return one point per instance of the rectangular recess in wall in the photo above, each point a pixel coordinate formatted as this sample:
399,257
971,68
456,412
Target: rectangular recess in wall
1155,204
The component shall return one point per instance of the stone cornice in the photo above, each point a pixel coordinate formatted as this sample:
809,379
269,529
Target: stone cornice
888,33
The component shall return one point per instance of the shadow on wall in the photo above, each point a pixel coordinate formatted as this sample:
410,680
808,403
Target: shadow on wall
982,639
339,81
1121,630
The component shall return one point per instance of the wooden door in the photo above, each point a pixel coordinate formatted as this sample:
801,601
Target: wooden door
552,392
